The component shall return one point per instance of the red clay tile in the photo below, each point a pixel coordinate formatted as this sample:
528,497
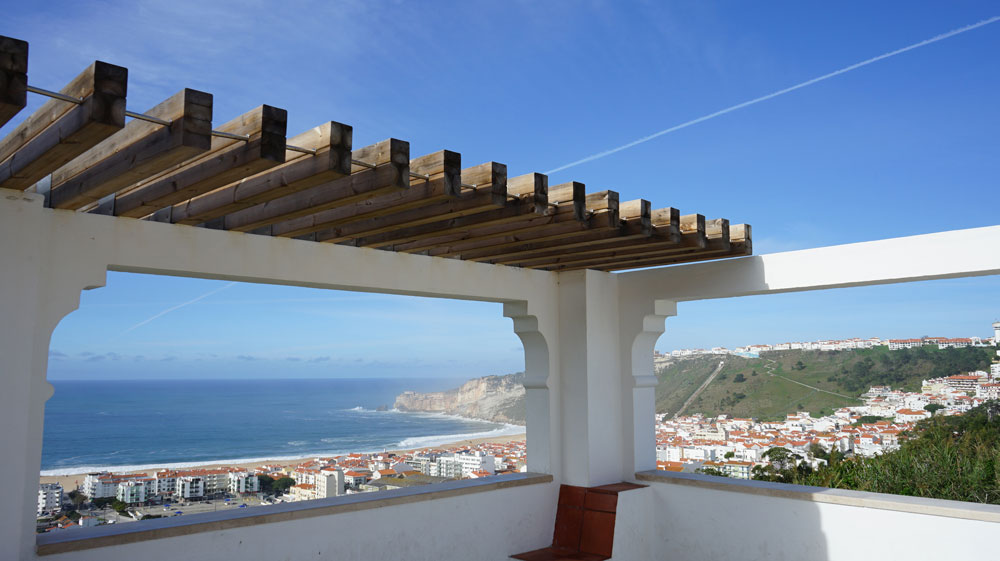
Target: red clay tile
569,524
571,495
601,501
598,532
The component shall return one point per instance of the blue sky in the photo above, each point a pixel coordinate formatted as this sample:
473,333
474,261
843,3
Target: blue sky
904,146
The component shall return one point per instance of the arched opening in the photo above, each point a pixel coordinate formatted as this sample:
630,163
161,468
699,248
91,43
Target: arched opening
188,375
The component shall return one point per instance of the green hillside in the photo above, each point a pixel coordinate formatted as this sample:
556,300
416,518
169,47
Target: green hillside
816,381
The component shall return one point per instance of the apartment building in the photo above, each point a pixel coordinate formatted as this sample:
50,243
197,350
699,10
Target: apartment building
49,498
135,491
190,487
242,482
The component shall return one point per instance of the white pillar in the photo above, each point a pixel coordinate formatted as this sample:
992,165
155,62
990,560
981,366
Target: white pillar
542,427
590,374
34,296
641,324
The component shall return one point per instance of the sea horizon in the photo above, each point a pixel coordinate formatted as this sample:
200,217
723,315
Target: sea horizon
133,425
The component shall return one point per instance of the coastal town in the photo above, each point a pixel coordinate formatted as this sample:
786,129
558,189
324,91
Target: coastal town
755,350
734,446
108,497
722,444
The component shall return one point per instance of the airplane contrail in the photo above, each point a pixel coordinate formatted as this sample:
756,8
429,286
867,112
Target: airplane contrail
647,138
177,307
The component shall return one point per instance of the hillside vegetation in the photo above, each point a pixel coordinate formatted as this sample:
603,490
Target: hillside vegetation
955,458
816,381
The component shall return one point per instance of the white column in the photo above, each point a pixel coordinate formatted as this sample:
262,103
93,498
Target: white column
641,324
590,374
541,425
34,296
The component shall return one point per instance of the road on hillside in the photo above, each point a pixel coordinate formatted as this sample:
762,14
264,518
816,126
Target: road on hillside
704,385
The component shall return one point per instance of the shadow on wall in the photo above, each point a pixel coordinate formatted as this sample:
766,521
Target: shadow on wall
702,524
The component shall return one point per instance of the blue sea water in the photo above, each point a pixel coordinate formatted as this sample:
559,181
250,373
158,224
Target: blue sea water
94,425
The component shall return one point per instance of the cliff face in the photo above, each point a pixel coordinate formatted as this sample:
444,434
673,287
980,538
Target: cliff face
499,399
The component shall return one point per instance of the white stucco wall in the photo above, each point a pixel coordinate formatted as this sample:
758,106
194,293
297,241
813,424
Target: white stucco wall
713,525
484,526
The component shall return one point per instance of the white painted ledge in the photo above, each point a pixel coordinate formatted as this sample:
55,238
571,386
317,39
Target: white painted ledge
844,497
78,539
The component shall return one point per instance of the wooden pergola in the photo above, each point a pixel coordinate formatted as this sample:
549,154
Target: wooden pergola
168,164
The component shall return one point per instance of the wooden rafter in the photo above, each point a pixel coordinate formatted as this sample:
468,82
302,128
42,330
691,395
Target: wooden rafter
13,77
443,181
169,165
490,192
60,130
391,159
332,161
226,161
636,222
137,152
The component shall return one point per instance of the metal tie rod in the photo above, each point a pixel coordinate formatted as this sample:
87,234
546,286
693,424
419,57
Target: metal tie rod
221,134
373,166
140,116
55,95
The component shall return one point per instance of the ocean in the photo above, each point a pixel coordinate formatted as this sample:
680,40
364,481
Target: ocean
131,425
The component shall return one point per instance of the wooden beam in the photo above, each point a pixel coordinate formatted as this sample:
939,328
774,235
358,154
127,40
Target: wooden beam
444,164
440,167
738,249
13,77
391,159
741,245
515,211
556,217
140,150
60,131
535,185
490,192
692,237
573,192
635,223
228,160
717,241
498,241
332,161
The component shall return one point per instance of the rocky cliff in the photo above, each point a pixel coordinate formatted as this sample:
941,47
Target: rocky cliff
499,399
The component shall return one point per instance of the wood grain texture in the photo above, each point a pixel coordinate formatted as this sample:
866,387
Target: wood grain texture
60,131
717,242
490,193
391,158
13,77
137,152
554,216
332,161
226,161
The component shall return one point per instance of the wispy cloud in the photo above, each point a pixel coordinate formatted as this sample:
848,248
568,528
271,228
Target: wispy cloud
773,95
177,307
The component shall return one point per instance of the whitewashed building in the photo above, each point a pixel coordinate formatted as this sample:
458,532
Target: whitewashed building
49,498
190,487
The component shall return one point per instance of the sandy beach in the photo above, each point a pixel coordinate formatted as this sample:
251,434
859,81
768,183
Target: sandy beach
73,480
